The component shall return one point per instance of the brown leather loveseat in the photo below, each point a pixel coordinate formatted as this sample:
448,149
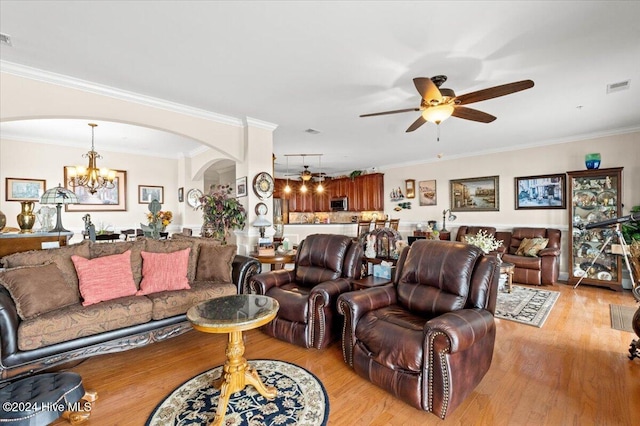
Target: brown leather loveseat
307,294
428,338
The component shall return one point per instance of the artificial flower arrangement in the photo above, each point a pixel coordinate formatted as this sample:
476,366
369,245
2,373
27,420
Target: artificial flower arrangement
221,212
484,241
164,217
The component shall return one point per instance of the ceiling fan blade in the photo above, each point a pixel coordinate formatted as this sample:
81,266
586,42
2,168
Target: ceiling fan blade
390,112
419,122
472,114
494,92
427,89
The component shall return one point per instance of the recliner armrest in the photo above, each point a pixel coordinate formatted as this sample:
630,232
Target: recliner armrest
463,327
551,251
261,283
242,269
330,290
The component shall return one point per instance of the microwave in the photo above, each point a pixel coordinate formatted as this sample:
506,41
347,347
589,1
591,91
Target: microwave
340,204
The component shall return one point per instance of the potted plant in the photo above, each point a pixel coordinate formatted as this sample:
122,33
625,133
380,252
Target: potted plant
221,213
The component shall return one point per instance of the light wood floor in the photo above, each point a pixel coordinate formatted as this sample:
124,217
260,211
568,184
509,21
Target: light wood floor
572,371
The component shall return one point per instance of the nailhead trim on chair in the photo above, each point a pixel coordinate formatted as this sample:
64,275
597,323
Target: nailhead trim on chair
445,378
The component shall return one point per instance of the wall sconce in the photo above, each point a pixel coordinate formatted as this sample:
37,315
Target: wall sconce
452,217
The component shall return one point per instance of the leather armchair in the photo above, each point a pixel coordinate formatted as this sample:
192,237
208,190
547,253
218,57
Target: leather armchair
541,270
324,267
428,338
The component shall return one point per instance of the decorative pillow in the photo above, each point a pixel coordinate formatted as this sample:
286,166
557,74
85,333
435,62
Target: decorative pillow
37,289
168,246
531,246
101,249
215,263
164,271
105,278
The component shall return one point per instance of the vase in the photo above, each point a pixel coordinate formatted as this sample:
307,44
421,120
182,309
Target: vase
592,161
26,218
210,231
3,220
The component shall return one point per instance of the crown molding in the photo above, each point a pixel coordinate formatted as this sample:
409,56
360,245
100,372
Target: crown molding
112,92
254,122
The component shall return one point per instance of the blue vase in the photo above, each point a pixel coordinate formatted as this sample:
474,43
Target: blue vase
592,161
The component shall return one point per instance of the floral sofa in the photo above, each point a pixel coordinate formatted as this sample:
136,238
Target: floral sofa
73,302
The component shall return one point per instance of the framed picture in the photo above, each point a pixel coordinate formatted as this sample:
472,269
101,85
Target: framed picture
427,192
105,199
241,187
24,189
541,192
410,188
181,194
147,194
475,194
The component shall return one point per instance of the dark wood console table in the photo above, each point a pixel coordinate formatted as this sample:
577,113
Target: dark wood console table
15,242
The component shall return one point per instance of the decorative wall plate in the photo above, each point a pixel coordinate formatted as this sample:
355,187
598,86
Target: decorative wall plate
261,208
263,185
193,197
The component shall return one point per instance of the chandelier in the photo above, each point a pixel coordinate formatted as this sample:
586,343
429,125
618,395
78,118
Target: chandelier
91,177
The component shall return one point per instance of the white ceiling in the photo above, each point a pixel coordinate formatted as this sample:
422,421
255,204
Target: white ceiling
320,65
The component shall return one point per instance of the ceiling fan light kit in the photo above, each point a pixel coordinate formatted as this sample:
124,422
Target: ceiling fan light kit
438,104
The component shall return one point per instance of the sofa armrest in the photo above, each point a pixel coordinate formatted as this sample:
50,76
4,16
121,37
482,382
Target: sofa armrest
463,327
551,251
9,322
353,305
243,268
330,290
261,283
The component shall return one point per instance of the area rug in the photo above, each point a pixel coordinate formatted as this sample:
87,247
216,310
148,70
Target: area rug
301,400
622,317
526,305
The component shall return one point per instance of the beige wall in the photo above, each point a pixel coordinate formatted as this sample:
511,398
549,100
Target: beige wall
617,151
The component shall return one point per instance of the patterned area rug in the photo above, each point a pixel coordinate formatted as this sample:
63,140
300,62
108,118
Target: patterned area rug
301,400
622,317
526,305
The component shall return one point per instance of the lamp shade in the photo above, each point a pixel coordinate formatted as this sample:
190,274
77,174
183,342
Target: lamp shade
59,195
261,221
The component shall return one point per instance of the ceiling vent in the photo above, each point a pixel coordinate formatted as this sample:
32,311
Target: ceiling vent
5,39
616,87
312,131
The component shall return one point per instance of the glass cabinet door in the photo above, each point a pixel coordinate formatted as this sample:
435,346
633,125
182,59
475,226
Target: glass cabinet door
595,197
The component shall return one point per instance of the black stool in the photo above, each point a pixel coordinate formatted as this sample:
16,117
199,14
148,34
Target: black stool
41,399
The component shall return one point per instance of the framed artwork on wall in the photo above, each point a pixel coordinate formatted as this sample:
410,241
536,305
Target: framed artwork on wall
241,187
181,194
541,192
410,188
147,194
475,194
24,189
105,199
427,192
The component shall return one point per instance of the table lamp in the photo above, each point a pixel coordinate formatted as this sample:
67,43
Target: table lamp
452,217
59,196
262,222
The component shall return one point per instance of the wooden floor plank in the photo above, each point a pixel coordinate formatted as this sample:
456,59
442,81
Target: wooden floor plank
572,371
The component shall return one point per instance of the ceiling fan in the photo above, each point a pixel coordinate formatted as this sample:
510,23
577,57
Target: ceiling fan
305,174
439,104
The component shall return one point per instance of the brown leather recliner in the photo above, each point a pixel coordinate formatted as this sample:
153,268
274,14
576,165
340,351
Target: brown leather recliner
540,270
427,338
307,294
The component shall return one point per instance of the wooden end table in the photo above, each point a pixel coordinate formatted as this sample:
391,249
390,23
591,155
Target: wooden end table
508,268
369,282
277,261
233,315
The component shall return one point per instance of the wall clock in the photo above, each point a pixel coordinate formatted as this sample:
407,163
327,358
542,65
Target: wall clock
263,185
193,197
261,209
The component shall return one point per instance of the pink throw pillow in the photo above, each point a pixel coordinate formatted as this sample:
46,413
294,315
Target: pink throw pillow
164,271
104,278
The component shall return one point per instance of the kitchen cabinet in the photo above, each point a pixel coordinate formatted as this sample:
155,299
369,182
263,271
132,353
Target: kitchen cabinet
595,196
365,193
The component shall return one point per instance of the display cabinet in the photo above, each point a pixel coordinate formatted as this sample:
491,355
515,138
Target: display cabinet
595,196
